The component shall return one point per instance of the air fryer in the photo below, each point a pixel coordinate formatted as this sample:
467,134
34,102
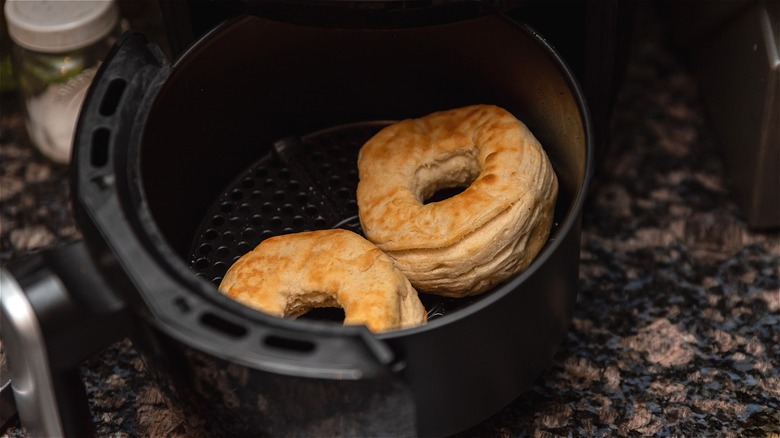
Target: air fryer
253,131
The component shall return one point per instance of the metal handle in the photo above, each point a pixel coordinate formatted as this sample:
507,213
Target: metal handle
7,404
56,310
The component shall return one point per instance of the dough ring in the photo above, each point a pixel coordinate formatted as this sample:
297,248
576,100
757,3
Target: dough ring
289,275
465,244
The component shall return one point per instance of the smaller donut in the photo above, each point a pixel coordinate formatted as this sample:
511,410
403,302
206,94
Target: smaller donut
465,244
289,275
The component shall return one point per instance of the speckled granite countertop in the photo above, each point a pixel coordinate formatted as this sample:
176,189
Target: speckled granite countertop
677,327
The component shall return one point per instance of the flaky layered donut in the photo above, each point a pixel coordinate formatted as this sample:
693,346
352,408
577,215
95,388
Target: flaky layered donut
465,244
289,275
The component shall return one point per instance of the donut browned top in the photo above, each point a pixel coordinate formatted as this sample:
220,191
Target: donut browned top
408,161
288,275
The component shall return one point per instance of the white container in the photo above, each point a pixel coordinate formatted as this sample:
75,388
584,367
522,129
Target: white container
58,47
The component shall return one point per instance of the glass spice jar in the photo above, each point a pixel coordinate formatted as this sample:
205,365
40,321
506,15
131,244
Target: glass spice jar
58,48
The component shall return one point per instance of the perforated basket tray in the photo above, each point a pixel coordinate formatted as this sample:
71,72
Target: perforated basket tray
302,184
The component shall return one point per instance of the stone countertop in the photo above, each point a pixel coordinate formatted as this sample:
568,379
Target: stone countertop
676,331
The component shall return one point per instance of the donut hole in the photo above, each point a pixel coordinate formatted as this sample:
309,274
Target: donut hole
445,193
317,306
330,314
303,303
446,175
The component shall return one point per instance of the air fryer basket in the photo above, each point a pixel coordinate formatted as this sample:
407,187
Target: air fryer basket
254,132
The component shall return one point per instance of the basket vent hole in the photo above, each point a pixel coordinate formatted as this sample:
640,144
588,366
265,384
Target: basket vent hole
99,151
222,252
219,268
222,325
289,344
113,95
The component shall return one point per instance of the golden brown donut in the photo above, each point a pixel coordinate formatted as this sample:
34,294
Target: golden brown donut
289,275
467,243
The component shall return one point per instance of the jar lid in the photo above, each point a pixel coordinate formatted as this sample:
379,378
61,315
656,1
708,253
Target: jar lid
58,26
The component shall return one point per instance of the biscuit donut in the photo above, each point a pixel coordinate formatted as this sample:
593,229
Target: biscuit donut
465,244
289,275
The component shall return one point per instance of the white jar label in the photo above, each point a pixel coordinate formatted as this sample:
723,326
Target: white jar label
52,115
